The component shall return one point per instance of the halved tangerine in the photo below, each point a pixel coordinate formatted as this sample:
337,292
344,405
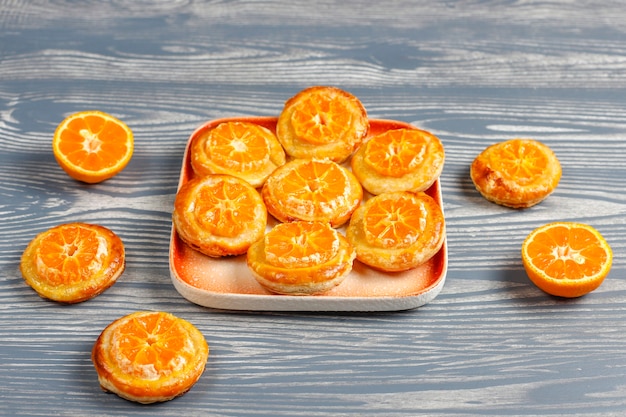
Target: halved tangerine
322,122
516,173
301,258
73,262
399,160
219,215
149,356
312,190
566,259
397,231
92,146
241,149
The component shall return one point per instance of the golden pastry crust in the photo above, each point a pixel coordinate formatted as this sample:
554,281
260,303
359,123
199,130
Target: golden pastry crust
242,149
397,231
219,215
399,160
73,262
301,258
149,357
312,190
322,122
517,173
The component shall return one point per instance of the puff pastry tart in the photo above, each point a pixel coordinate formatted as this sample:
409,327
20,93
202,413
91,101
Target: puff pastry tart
242,149
219,215
301,258
399,160
397,231
516,173
73,262
322,122
149,356
312,190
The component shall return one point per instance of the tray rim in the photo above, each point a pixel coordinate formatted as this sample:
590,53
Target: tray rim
275,302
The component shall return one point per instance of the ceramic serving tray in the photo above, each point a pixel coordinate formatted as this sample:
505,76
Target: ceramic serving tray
226,283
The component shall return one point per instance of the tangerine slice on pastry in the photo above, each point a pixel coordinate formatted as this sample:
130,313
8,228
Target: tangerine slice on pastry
516,173
399,160
242,149
397,231
219,215
301,258
322,122
149,356
312,190
73,262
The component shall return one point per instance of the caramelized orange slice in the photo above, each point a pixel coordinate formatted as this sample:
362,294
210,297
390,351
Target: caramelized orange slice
219,215
321,118
301,258
312,190
322,122
399,160
517,173
566,259
301,244
73,262
242,149
149,357
92,146
397,231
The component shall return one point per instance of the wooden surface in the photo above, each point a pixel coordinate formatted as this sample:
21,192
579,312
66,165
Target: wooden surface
471,72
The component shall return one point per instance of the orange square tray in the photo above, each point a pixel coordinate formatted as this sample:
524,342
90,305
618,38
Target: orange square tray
226,283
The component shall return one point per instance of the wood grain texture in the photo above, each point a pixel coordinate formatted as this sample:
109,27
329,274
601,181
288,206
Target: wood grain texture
471,72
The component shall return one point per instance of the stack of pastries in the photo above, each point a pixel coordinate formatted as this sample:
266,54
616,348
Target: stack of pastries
306,201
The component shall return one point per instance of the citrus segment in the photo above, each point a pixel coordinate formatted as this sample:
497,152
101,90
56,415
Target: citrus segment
516,173
92,146
242,149
149,356
73,262
566,259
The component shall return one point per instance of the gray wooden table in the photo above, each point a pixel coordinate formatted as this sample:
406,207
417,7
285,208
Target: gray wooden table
473,73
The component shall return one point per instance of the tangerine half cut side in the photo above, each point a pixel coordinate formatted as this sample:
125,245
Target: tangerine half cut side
92,146
566,259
